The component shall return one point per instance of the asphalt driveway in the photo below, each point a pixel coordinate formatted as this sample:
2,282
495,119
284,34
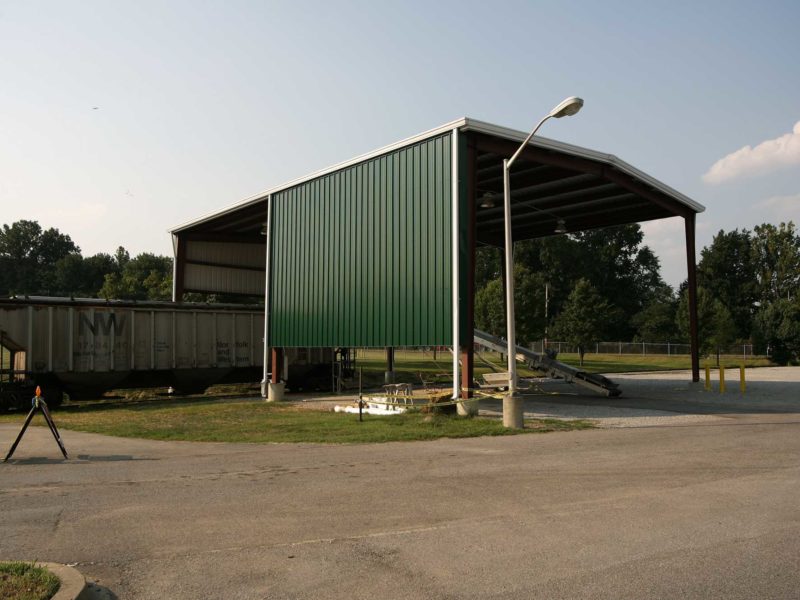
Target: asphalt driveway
693,509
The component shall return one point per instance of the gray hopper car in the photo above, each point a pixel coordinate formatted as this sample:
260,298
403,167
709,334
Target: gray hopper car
85,347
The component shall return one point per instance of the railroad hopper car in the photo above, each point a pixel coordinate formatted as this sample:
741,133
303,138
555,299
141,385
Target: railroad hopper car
85,347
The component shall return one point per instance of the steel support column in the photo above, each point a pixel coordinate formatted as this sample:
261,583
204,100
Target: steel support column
180,269
267,297
277,364
388,376
468,295
689,223
454,184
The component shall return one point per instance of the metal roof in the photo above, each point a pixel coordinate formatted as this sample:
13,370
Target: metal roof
552,180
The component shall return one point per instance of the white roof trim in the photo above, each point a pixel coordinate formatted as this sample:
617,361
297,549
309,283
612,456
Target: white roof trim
358,159
465,124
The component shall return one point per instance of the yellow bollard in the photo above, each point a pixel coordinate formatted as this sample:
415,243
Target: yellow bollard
708,378
742,382
722,380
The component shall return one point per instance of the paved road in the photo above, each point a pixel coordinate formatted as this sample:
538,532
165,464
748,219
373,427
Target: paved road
702,510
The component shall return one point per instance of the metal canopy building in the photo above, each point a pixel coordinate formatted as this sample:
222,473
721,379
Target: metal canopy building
379,251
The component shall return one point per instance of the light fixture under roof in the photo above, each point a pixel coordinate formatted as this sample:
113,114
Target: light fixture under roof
561,226
487,201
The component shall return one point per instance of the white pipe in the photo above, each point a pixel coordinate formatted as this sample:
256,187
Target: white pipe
265,378
455,232
511,334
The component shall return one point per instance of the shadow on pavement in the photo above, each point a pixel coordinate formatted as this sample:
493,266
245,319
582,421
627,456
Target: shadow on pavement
42,460
675,395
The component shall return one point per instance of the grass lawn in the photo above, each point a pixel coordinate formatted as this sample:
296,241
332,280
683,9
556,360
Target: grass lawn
626,363
24,581
414,366
204,420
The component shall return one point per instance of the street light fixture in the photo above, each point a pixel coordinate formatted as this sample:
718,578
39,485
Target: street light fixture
512,404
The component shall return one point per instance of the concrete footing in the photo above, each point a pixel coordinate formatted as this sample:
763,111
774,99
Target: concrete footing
275,393
512,412
467,407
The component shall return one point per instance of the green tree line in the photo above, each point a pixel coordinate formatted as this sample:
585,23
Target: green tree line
606,285
47,262
602,284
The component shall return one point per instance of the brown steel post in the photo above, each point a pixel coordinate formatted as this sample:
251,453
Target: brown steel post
389,373
692,281
180,269
389,358
277,364
467,337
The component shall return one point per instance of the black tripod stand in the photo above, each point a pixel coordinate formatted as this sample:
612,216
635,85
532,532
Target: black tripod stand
38,403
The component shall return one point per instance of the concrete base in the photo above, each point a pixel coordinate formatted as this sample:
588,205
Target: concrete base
264,388
468,407
275,393
512,412
388,376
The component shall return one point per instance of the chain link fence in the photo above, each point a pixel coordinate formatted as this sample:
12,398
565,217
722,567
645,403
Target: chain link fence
444,355
641,348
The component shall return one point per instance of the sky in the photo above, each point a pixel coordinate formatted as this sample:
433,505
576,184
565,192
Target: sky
119,120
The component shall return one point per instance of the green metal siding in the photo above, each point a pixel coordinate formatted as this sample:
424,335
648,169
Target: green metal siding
362,256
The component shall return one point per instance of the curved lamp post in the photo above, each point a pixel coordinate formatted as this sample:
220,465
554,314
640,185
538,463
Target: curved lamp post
512,404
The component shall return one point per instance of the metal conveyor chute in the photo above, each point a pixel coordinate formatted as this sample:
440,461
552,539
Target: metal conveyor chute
551,367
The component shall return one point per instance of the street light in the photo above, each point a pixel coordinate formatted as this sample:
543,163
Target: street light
512,404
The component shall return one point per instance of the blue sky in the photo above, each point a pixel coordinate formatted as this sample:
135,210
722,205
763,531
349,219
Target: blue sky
201,104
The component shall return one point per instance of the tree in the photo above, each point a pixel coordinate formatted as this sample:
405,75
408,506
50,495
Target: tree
490,309
727,270
584,318
778,327
146,277
656,321
777,256
715,326
487,265
614,260
28,257
82,277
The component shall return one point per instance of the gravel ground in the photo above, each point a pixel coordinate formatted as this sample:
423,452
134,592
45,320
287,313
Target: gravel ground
608,416
656,399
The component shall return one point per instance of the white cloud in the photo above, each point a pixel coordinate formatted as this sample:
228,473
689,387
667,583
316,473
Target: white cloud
767,156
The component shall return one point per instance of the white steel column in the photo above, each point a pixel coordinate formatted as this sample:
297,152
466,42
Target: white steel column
455,267
265,378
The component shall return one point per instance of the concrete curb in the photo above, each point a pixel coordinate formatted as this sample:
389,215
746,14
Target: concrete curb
72,581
